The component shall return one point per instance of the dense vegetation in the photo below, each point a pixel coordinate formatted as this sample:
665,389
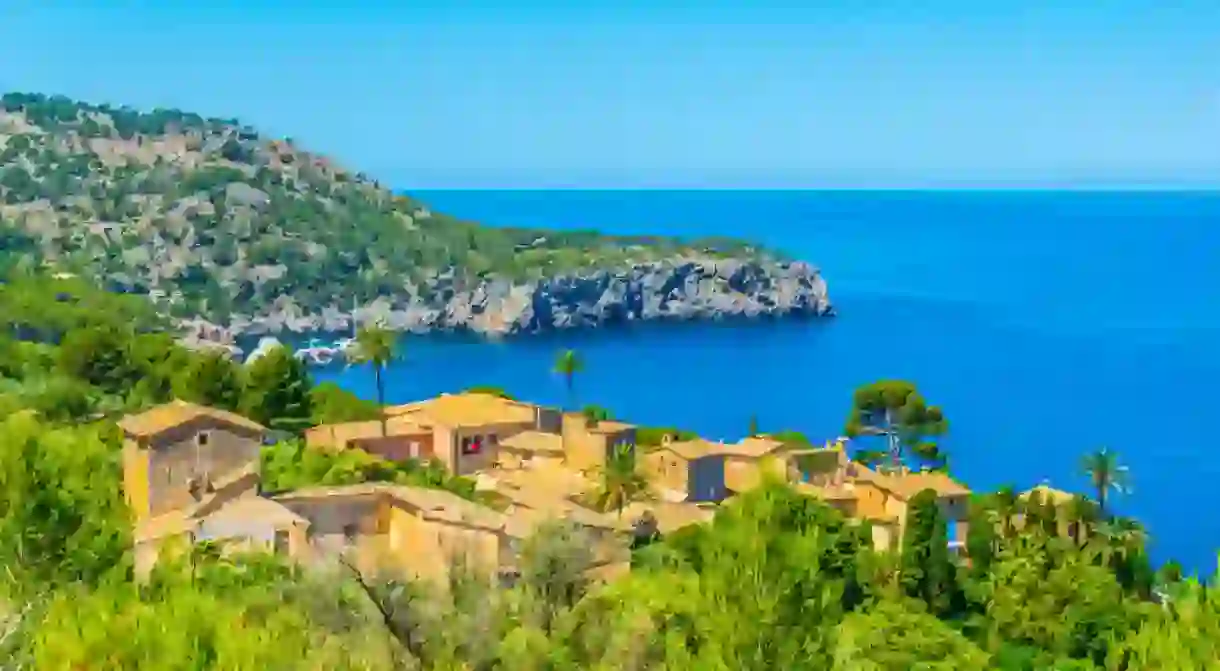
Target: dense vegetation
212,219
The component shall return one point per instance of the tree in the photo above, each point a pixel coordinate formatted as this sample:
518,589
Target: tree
753,426
376,345
621,482
277,391
894,637
896,410
568,364
99,356
62,516
927,572
213,379
1105,473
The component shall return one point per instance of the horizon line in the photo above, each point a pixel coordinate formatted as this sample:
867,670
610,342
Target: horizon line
1117,188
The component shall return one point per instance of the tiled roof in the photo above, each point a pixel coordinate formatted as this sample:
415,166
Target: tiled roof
1049,493
433,504
173,523
468,409
752,447
442,506
534,441
170,415
341,434
534,507
669,516
695,448
249,508
908,485
609,426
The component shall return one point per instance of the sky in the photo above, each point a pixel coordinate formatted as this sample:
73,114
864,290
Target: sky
704,93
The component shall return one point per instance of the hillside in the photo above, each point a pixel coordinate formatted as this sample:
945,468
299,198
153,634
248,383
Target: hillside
215,222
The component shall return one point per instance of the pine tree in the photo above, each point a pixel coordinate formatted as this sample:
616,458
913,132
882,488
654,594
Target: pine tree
277,391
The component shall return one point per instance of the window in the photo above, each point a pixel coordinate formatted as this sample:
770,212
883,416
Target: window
472,445
349,532
281,542
201,439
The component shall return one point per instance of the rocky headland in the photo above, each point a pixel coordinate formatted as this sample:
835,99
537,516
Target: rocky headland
678,290
231,234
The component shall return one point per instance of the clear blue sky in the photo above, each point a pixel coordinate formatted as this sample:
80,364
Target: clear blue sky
701,93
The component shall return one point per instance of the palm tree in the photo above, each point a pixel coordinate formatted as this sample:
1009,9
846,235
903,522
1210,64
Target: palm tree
376,345
1106,473
568,364
621,482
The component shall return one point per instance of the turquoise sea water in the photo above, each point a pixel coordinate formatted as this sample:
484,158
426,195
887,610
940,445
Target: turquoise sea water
1046,324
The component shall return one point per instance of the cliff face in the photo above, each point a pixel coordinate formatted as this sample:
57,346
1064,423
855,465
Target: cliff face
683,289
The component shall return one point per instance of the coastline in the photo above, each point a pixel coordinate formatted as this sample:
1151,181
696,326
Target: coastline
689,290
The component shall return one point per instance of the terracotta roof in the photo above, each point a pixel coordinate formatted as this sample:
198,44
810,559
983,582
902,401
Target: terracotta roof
909,484
695,448
468,409
442,506
610,426
534,441
432,504
176,413
327,492
257,508
939,482
173,523
1049,493
752,447
341,434
527,512
670,516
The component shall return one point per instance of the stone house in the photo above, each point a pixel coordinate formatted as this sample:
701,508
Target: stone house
174,453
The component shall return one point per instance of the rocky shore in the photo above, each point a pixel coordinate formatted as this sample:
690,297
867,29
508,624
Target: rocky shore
684,289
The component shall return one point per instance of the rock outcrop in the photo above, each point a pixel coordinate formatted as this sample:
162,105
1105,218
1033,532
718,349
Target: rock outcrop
679,290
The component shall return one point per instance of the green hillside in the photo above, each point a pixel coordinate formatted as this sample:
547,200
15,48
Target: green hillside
216,219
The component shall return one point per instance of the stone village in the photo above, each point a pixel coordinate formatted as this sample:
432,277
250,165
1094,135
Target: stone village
191,473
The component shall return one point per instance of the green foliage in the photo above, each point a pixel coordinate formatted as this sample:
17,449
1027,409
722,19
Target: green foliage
621,482
277,392
793,438
490,391
62,518
212,379
376,346
568,364
897,637
649,437
896,409
1106,474
291,465
928,574
332,404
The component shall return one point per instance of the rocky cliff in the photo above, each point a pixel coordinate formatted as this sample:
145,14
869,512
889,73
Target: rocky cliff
682,289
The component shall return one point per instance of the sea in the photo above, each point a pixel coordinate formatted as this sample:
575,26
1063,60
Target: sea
1047,324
